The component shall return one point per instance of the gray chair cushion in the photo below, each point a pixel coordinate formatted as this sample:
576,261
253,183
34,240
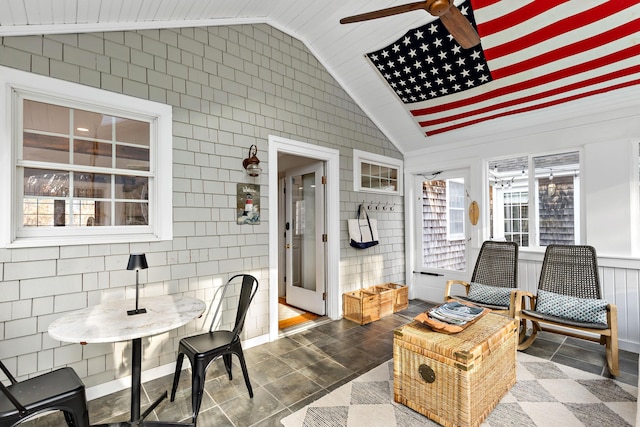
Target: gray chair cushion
494,295
586,310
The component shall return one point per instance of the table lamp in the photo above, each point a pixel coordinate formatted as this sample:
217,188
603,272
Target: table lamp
137,262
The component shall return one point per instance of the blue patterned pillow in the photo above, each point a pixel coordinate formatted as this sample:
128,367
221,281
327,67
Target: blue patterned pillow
573,308
493,295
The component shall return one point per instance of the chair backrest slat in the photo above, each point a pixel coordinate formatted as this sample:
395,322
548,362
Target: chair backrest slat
21,409
570,270
248,289
497,264
8,373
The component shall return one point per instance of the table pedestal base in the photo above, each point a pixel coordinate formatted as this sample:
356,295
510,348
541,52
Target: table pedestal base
136,388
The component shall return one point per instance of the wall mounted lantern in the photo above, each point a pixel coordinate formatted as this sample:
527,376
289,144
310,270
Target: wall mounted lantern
251,164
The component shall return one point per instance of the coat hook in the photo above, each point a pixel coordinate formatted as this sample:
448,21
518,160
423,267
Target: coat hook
378,206
392,208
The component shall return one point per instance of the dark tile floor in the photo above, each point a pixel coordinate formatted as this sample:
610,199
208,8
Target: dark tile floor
297,369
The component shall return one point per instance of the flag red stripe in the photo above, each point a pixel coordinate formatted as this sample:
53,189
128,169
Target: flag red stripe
578,85
584,45
537,81
478,4
534,107
521,15
560,27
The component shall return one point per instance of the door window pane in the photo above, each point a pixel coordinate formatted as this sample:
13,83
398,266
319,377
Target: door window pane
443,219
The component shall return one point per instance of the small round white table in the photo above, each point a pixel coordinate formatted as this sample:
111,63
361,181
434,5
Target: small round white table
109,322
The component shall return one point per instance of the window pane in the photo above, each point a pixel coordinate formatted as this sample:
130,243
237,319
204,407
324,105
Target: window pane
131,213
90,213
365,181
92,153
91,185
456,222
132,131
50,118
556,197
456,196
92,125
45,148
37,212
42,182
133,158
131,187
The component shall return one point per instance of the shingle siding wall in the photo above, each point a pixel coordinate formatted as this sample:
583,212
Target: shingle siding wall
438,251
230,87
556,211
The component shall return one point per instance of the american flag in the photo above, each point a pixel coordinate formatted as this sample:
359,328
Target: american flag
533,54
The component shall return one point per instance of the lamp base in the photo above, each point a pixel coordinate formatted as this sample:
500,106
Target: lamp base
136,311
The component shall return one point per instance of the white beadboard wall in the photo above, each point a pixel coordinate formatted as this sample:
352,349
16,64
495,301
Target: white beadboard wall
620,282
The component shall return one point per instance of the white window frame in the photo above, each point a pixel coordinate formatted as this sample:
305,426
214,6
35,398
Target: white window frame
360,157
531,184
15,82
455,236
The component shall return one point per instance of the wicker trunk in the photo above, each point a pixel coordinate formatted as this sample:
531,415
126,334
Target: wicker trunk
455,380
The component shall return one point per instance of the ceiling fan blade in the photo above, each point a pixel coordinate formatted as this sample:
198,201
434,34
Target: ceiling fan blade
460,28
395,10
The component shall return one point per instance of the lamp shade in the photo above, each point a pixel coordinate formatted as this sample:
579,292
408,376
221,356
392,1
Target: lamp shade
137,262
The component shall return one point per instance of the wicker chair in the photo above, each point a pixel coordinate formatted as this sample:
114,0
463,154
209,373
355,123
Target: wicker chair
496,267
569,297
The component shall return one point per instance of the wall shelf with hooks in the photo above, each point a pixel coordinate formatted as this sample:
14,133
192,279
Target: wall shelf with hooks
379,206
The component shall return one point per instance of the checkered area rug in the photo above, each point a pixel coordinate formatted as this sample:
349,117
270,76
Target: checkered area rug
545,394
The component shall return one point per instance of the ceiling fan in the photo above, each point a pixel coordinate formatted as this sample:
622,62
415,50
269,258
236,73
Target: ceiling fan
453,20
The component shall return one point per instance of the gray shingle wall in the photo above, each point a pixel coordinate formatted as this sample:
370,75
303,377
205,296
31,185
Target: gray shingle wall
230,87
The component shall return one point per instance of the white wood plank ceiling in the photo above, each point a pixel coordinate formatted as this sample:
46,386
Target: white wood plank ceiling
340,48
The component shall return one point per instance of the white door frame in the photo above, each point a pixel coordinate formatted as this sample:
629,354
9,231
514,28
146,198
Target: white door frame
332,212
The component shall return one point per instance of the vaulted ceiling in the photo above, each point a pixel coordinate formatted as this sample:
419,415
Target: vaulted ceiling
544,58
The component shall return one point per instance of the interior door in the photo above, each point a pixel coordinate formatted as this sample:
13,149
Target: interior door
304,246
443,230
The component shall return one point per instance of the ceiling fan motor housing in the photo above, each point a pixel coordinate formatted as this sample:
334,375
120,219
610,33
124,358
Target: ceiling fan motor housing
438,7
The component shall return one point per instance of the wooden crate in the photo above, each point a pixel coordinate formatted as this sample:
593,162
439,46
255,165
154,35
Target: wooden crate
400,296
455,379
361,306
387,298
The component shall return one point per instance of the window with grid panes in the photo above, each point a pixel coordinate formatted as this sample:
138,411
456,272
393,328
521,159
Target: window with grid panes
85,170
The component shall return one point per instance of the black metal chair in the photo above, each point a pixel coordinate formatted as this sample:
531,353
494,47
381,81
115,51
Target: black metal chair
569,300
59,390
494,278
204,348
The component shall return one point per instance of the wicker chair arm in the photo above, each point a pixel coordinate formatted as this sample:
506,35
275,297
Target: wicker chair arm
519,302
450,283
